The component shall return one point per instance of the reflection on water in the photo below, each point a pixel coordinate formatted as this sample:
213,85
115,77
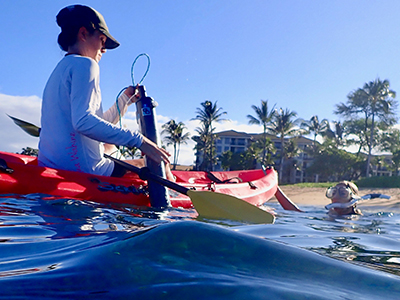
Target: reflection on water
63,248
371,240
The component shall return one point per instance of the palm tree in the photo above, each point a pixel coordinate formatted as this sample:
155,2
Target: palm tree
336,134
315,127
129,153
375,101
208,114
263,150
204,145
283,125
291,152
263,117
175,136
358,134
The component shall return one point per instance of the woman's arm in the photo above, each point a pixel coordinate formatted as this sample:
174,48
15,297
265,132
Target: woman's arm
114,113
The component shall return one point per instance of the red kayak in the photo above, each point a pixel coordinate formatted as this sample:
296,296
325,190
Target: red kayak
20,174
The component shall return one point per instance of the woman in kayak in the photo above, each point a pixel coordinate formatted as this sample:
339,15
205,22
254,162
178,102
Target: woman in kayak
341,196
74,126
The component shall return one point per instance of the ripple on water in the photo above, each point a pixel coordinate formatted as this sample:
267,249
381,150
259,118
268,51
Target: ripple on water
73,249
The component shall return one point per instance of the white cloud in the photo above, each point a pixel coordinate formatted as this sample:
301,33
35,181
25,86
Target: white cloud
12,138
235,125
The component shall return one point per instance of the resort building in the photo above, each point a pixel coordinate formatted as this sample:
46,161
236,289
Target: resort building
380,167
294,168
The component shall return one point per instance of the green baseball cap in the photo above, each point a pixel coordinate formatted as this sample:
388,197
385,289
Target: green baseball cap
81,15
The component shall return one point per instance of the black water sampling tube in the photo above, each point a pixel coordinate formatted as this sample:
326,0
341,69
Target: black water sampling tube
145,108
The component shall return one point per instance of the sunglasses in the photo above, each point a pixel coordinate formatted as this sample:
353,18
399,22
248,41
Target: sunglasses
343,192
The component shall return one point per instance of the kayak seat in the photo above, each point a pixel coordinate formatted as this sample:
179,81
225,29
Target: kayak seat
213,178
4,167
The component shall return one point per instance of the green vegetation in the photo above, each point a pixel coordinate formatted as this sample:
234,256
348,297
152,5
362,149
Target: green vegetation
30,151
312,184
379,182
375,101
333,164
370,182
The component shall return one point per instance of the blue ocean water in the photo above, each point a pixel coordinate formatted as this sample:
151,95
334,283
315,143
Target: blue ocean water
69,249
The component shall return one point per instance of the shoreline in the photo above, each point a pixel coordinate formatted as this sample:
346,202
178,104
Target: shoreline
316,196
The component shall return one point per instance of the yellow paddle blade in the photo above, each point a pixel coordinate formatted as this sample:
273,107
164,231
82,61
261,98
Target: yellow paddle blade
211,205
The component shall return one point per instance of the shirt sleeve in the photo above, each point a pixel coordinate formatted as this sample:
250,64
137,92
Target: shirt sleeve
86,109
114,113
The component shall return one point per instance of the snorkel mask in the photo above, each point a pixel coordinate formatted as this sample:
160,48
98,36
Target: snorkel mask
343,191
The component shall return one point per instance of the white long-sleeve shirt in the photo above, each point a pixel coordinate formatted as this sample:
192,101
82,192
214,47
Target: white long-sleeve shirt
73,125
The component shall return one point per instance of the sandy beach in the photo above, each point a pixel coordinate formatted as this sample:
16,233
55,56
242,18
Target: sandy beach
316,196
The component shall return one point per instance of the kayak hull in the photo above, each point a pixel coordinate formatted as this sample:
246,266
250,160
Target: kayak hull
253,186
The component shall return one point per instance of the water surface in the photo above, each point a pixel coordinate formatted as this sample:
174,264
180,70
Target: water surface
63,248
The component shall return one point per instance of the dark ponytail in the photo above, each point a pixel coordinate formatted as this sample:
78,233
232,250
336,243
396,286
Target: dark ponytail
67,37
70,27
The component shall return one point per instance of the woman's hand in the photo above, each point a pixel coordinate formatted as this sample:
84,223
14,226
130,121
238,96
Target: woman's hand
132,93
154,152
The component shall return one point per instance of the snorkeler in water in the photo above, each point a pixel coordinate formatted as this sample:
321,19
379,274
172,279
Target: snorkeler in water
344,197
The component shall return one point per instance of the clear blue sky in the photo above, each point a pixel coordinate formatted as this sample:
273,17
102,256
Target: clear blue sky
303,55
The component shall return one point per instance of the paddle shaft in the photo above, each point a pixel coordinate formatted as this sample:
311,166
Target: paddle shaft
145,174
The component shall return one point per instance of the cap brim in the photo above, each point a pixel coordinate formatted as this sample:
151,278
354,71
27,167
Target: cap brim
111,42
